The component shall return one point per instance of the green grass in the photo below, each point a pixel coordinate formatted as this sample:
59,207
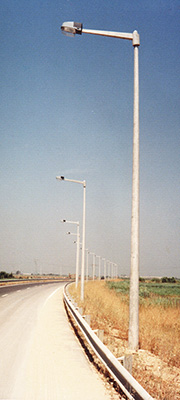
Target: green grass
160,293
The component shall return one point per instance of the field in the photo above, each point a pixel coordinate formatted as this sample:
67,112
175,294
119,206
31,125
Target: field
157,364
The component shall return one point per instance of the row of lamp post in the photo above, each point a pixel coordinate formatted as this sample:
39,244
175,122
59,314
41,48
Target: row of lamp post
72,28
77,234
112,271
83,183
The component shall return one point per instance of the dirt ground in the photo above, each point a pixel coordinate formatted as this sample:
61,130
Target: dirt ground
160,380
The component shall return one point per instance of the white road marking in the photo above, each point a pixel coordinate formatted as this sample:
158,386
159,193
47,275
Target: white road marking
52,294
4,295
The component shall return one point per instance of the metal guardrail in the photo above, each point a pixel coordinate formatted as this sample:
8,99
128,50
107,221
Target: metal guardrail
131,388
19,280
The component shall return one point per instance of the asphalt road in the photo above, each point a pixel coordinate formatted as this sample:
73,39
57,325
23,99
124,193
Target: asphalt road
9,287
40,358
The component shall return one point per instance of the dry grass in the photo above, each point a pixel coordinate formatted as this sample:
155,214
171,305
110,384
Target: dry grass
160,333
157,366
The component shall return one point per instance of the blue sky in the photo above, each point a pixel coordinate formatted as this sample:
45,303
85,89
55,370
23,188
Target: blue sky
67,109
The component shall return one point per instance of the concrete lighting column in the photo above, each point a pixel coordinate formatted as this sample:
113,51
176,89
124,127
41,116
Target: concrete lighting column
99,275
104,267
108,272
73,28
116,271
62,178
134,275
87,264
93,263
77,246
112,270
94,266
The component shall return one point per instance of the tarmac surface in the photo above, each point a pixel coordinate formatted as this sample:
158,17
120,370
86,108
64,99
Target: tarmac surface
41,359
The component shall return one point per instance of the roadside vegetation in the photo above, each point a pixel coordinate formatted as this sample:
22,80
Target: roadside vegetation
164,292
6,275
157,364
13,278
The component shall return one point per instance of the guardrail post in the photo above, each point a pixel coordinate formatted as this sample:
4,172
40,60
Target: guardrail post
88,319
127,362
99,333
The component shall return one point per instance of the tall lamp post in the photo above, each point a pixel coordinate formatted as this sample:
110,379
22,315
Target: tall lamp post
77,248
72,28
104,267
62,178
99,267
87,266
93,264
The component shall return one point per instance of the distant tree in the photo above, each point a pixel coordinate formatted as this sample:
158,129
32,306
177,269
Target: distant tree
172,280
6,275
165,279
2,274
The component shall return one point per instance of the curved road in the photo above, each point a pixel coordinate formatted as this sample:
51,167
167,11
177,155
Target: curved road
40,358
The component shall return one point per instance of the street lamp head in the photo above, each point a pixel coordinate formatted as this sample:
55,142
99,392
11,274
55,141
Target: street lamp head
71,28
63,220
60,178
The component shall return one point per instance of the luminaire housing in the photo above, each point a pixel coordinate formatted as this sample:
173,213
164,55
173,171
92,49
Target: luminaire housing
70,28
